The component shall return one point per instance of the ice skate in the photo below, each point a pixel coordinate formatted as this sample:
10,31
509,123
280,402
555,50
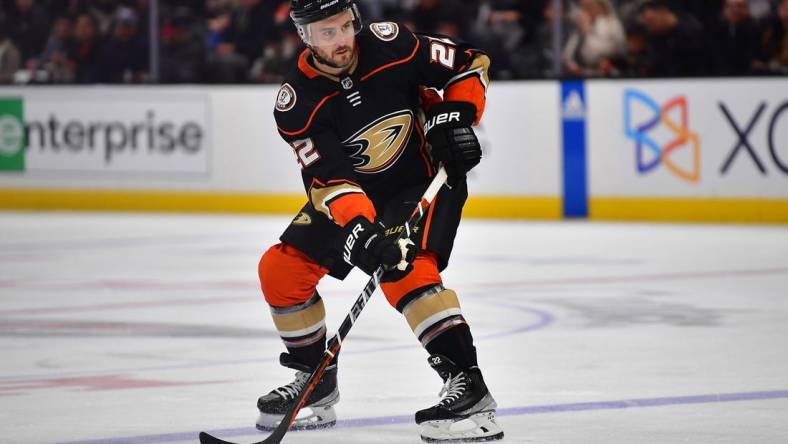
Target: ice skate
318,411
467,411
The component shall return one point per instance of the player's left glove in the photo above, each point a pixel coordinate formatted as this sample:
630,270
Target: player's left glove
454,144
366,246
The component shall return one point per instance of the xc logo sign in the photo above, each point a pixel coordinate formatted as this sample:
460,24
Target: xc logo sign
744,144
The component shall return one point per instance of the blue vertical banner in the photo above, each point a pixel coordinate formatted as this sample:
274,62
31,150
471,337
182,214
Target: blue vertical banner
573,119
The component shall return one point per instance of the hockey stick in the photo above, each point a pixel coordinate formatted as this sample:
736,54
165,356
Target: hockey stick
336,342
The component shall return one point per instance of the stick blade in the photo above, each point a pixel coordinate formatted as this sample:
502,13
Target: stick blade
206,438
275,438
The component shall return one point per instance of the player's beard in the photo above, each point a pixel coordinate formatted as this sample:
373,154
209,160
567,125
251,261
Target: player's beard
338,61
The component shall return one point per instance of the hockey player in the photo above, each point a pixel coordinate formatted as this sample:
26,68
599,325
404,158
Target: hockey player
368,128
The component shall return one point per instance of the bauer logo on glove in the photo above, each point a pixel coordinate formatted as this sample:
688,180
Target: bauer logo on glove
367,247
350,241
454,144
441,119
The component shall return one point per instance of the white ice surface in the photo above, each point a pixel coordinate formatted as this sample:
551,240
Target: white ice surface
150,328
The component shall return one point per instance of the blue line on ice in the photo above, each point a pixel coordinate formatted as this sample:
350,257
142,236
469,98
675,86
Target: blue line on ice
509,411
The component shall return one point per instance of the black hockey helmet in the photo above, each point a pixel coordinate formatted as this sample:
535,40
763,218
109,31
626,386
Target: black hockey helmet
304,12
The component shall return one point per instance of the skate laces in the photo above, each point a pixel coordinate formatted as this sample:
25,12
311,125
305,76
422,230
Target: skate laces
453,388
291,390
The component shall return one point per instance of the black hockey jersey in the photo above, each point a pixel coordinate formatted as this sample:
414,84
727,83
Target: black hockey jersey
358,138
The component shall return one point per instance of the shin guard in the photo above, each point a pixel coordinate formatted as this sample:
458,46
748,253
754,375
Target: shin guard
303,329
436,319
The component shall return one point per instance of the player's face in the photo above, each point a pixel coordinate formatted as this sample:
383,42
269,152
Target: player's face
334,39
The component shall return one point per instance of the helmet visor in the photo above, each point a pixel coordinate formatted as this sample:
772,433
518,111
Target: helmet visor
332,30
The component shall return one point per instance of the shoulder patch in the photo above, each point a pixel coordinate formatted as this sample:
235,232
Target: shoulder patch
302,219
386,31
285,98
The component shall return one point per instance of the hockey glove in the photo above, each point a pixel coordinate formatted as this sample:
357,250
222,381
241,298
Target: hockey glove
454,144
367,247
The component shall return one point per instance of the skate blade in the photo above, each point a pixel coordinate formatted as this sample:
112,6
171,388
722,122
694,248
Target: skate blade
310,418
479,427
495,437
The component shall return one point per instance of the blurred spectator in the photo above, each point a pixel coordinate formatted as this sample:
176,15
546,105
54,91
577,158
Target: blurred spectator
84,52
773,54
104,13
449,17
760,9
28,27
500,30
629,11
373,10
54,63
422,14
535,58
235,41
735,40
10,59
706,12
250,27
142,10
598,37
123,58
634,62
217,14
196,6
676,44
278,56
243,34
182,50
224,64
59,8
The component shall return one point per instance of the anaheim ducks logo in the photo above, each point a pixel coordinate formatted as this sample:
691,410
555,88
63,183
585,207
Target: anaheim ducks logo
376,147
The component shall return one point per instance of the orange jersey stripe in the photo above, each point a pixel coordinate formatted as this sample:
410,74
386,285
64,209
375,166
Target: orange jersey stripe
468,90
305,67
311,116
389,65
349,206
427,224
330,199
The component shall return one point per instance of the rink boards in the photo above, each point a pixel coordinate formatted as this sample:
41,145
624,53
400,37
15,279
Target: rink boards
683,150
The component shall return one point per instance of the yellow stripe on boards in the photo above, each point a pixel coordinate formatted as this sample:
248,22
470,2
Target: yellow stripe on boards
513,207
505,207
164,201
493,207
689,210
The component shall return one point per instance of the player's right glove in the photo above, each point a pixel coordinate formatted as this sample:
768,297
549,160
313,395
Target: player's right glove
366,246
454,144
